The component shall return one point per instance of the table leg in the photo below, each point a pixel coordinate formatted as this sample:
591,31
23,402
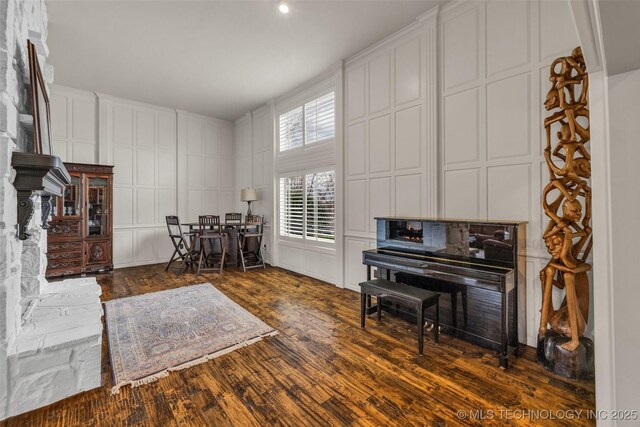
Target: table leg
379,307
420,314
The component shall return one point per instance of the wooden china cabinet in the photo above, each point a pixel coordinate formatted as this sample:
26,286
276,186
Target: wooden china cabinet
80,229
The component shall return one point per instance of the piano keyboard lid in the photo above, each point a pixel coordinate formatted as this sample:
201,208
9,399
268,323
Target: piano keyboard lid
448,260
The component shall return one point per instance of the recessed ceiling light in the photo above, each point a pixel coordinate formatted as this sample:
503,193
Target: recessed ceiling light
283,7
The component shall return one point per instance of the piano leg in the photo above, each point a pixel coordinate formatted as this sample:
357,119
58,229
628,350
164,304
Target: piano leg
454,307
420,314
463,292
436,322
504,354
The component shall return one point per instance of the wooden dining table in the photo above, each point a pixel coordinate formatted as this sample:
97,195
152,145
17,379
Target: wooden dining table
231,229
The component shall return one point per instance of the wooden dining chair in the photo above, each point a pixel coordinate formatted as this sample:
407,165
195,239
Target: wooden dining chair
210,231
253,229
233,218
183,248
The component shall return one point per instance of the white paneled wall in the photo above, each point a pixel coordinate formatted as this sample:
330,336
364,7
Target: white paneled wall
206,154
262,176
244,169
388,149
140,141
74,125
495,61
166,162
254,148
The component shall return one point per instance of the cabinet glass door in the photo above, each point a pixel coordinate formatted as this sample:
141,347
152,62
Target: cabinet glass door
72,198
98,207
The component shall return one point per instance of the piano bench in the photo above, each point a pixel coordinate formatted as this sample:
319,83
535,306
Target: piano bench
421,299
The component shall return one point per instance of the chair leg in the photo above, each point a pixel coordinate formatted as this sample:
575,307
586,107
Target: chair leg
183,264
170,261
223,243
200,260
241,244
259,254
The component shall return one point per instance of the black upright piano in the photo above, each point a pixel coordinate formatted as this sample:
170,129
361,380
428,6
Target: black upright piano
475,265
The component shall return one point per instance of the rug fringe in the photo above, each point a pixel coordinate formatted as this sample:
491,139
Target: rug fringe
162,374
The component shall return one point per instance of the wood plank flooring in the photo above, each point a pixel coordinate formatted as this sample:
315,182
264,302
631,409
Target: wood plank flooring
322,369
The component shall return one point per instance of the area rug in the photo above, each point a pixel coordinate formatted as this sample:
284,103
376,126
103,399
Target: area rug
153,334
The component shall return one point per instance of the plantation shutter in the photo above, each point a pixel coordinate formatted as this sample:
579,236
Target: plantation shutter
319,119
321,213
292,206
291,129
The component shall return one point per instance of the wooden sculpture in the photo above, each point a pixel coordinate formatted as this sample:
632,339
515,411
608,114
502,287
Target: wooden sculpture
568,232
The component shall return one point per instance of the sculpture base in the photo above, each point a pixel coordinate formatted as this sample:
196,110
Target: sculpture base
577,365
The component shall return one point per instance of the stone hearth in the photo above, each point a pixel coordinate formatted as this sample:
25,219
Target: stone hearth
59,346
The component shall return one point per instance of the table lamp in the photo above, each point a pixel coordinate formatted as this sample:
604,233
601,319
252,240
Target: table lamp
248,195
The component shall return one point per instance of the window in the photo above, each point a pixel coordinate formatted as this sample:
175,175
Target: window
309,123
291,129
307,206
321,203
292,206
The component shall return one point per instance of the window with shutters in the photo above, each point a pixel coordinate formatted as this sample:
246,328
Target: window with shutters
292,206
312,122
307,206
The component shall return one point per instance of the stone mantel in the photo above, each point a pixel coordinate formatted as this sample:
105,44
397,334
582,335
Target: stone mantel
41,174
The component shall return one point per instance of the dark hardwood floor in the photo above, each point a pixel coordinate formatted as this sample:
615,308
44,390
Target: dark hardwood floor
322,369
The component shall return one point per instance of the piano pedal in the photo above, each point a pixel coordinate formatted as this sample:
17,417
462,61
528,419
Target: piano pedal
428,326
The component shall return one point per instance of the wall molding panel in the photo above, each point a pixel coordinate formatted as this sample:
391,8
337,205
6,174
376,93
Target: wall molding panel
390,150
492,143
74,124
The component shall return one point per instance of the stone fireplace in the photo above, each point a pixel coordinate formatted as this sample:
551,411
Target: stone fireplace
50,333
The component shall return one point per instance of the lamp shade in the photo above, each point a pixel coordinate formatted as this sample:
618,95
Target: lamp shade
248,195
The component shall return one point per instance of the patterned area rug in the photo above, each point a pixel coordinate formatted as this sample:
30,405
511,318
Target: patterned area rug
153,334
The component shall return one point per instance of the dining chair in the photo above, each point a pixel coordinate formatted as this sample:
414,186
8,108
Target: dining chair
210,231
183,248
253,229
233,218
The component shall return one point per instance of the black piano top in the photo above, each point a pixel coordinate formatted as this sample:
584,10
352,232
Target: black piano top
456,220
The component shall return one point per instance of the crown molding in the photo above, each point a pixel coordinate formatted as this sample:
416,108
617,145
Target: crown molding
429,15
415,26
586,19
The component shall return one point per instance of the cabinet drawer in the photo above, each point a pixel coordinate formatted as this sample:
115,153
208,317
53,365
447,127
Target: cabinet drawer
56,264
64,247
65,230
59,256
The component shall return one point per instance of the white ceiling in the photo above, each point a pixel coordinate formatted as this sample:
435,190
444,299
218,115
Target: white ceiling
216,58
621,34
